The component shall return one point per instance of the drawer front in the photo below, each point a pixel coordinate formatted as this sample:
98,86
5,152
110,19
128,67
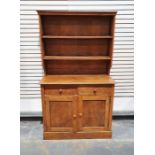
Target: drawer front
95,90
49,90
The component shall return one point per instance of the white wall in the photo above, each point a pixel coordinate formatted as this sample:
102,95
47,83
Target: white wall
123,62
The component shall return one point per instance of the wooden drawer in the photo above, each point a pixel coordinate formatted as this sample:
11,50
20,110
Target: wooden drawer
51,90
95,90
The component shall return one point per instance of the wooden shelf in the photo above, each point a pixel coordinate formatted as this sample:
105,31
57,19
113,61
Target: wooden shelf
77,58
76,37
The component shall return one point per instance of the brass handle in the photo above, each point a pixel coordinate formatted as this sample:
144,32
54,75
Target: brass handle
60,91
74,116
80,114
94,91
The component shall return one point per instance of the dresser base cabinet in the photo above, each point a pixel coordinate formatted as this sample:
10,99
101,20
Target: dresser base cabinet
77,111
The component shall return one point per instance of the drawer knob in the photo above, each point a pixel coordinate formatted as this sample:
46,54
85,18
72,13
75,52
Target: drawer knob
74,116
60,91
94,91
80,114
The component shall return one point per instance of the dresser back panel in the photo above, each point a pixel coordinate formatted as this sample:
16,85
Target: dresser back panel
77,47
76,67
76,25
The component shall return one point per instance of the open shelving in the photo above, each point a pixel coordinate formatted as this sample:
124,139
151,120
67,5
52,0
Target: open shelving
69,42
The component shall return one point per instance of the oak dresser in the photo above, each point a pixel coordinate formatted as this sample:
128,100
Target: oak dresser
77,90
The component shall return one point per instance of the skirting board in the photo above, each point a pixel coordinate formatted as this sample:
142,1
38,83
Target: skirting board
32,107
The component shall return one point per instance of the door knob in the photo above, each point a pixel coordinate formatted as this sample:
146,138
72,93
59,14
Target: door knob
74,116
60,91
94,91
80,114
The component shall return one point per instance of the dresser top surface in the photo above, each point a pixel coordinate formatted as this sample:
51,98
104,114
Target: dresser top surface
77,79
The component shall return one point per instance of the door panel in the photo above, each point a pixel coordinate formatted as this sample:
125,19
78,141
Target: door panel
94,112
61,113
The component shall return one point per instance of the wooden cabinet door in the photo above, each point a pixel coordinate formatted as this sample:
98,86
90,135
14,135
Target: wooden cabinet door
60,113
93,113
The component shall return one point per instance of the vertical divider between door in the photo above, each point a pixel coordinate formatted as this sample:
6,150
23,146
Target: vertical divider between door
80,110
75,113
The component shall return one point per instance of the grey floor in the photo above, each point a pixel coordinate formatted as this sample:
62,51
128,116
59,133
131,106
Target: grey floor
122,143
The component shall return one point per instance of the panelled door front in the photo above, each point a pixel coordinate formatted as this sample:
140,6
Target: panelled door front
93,113
61,113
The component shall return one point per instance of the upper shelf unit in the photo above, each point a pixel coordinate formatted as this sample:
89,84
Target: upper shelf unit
76,42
